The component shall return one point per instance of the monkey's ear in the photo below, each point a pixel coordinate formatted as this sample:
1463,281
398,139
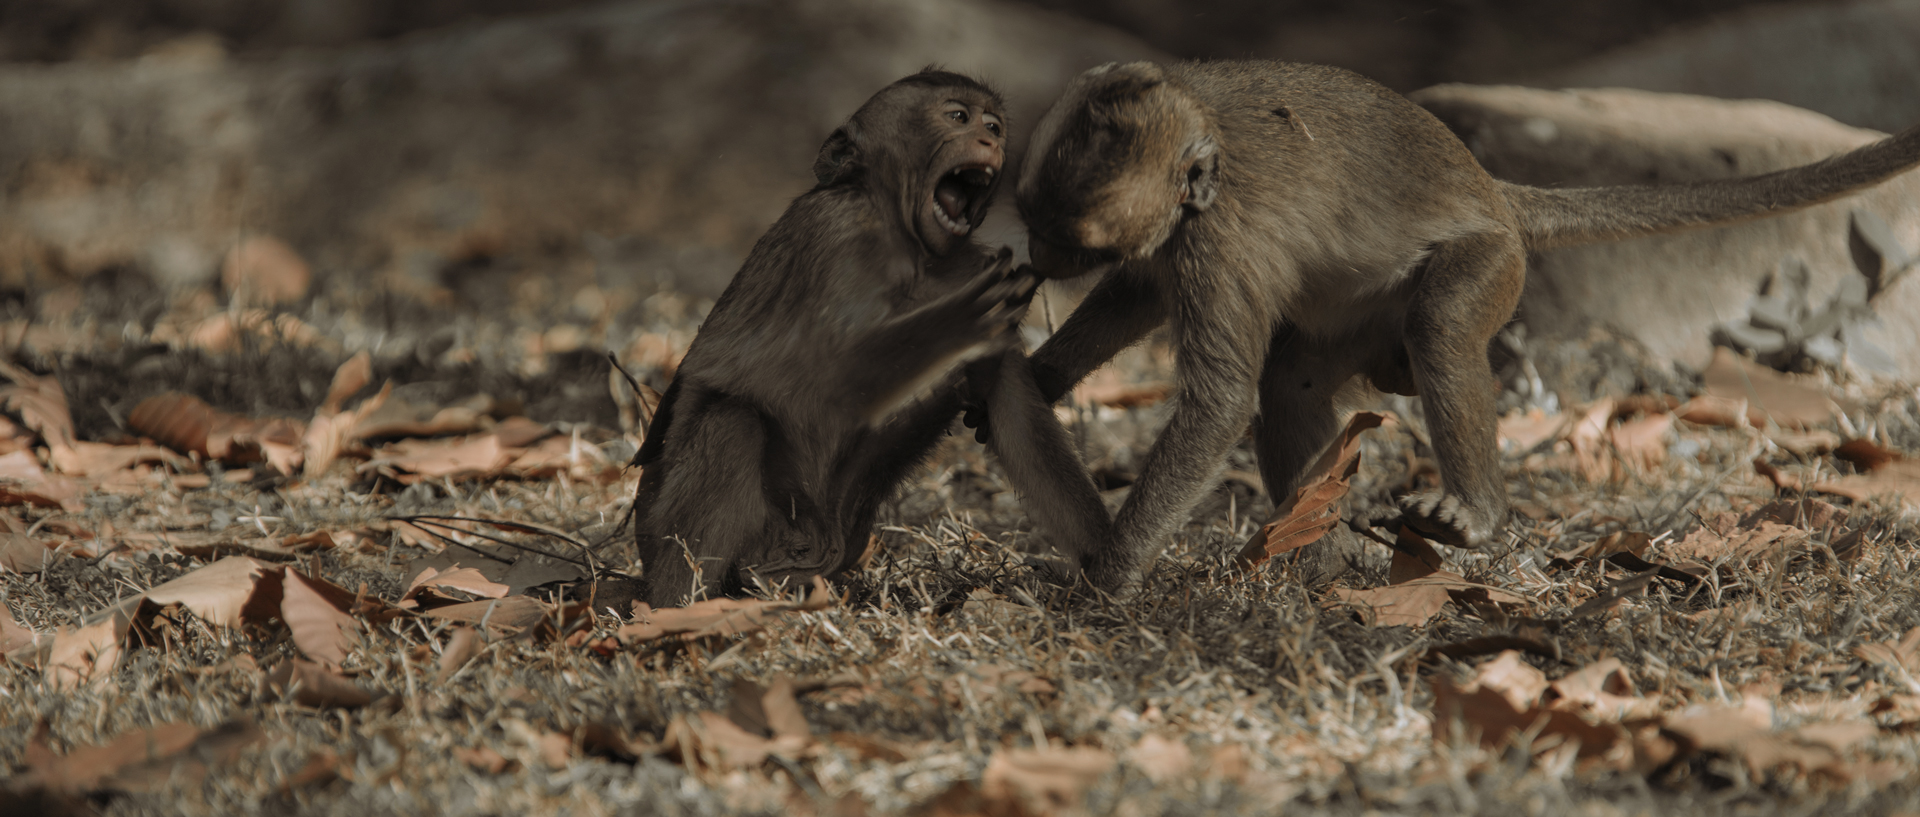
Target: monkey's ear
838,158
1203,178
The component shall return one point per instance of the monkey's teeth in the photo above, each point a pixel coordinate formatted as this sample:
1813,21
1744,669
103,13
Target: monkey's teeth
955,225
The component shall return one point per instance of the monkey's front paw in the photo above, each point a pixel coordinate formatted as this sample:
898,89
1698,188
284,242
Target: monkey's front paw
1052,569
1443,518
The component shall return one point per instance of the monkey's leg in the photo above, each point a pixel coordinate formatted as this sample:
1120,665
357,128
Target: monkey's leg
1467,291
711,507
1055,488
1298,416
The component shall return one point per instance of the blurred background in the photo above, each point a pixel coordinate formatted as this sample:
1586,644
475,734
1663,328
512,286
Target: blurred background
524,183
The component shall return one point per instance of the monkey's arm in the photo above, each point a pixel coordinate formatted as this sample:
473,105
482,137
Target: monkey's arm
903,355
1220,343
1120,310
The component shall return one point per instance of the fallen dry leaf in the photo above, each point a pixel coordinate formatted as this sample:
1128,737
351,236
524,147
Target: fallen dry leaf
13,636
512,614
715,617
1162,760
1602,691
331,431
461,647
1401,605
320,626
476,455
22,482
42,404
1050,780
225,593
140,760
1770,395
1490,716
1514,679
482,759
1314,509
710,741
264,271
313,685
20,553
1524,431
769,711
187,424
1889,475
1746,732
1903,654
464,579
87,653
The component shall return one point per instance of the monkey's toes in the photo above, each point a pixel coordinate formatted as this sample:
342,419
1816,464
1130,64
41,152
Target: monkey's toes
1443,518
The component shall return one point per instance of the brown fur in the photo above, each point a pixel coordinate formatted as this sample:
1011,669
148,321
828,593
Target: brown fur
1298,225
794,413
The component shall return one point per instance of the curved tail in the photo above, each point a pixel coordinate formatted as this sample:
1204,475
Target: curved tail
1557,218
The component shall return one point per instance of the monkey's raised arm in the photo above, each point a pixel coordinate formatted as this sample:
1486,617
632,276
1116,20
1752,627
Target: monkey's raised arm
905,354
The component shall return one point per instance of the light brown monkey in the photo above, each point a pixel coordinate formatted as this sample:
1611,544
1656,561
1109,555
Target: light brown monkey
1298,225
794,415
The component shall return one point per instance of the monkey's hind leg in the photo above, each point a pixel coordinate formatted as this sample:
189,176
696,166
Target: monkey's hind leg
710,508
1055,488
1466,292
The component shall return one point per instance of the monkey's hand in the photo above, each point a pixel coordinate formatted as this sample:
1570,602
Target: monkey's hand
977,383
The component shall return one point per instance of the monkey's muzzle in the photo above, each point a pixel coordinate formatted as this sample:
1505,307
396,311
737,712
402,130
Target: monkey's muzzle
1053,261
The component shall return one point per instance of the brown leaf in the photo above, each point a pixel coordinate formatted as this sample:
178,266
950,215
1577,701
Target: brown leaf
1401,605
348,380
1642,443
1315,507
1162,760
1412,558
22,482
482,758
320,626
1521,432
314,685
87,653
1491,715
1770,395
187,424
461,647
715,617
1708,410
1764,541
1514,679
464,579
82,459
220,745
511,614
1901,654
1897,481
1866,455
13,636
225,593
710,741
1810,442
1602,691
264,271
477,455
86,768
398,417
1048,780
42,405
20,553
769,711
1746,732
332,431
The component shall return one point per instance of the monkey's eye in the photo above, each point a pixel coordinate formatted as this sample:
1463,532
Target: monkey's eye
958,116
993,127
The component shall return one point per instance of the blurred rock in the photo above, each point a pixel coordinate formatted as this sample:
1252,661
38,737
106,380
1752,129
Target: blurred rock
1669,293
1855,61
673,132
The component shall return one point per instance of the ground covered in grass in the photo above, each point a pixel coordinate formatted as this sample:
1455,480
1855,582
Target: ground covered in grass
311,594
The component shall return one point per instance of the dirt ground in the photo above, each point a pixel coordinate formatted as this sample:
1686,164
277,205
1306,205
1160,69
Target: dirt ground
1705,602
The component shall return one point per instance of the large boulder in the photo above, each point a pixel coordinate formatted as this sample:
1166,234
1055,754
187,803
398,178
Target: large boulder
1674,293
1855,61
668,134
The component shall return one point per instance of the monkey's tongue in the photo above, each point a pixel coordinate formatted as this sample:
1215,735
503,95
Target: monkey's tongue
951,196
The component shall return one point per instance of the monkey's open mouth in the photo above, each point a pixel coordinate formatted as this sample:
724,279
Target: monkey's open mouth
955,195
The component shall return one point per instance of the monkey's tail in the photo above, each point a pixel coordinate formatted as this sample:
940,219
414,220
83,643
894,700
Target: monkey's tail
1558,218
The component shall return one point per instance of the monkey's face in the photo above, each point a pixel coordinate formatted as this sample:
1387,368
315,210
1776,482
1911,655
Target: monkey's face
1115,166
950,195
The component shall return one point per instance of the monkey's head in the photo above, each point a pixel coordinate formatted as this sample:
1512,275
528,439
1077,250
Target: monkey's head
1115,165
929,148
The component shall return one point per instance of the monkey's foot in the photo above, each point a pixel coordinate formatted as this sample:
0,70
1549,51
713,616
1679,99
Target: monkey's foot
1444,518
1052,569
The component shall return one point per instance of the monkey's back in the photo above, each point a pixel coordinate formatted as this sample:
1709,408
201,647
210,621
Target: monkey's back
1339,184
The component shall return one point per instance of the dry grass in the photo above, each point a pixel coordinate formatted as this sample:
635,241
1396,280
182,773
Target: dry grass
948,671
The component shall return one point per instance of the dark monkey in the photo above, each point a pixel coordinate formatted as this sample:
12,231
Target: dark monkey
794,414
1299,225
